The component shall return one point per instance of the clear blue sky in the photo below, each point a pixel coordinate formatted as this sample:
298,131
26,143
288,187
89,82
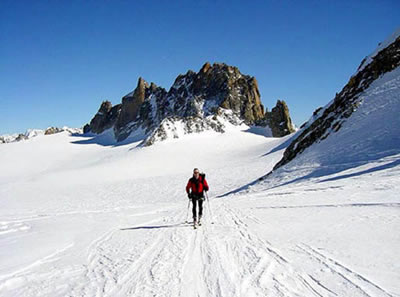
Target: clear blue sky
60,59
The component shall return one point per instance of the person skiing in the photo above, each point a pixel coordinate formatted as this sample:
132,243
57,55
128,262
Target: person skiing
195,188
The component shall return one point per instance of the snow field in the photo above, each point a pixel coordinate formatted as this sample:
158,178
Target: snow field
79,217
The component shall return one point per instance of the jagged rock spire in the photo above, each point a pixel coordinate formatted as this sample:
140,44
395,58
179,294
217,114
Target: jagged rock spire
278,119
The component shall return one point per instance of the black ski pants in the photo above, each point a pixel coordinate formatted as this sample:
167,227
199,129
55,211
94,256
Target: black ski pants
196,201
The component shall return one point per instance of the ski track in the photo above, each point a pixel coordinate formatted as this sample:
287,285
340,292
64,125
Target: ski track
361,285
221,259
166,257
351,178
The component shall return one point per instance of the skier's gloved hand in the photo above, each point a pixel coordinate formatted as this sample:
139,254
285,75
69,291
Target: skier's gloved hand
189,195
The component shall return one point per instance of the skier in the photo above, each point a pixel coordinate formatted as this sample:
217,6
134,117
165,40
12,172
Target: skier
195,188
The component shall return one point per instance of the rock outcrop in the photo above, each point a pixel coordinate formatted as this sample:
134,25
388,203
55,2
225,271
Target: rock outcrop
207,100
278,119
330,119
53,130
104,119
137,109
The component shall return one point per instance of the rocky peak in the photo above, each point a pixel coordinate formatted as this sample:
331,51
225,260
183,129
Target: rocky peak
205,68
140,91
225,86
153,87
133,108
103,119
278,119
105,107
205,99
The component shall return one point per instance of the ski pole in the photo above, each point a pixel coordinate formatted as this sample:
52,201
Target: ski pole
209,209
187,212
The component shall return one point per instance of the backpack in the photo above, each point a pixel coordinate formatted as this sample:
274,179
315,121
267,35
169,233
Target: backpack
203,176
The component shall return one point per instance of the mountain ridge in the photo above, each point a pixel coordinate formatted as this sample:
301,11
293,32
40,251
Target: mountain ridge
330,119
216,96
31,133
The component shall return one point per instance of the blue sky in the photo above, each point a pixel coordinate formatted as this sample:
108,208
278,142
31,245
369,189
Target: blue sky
60,59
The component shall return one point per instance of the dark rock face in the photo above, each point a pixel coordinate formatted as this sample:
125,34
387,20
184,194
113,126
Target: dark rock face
225,87
131,104
201,100
86,128
137,109
330,120
278,119
104,119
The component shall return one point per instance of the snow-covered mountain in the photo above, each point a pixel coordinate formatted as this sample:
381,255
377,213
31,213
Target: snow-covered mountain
362,122
82,219
20,136
30,133
212,99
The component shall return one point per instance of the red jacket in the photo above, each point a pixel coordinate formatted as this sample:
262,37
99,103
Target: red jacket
197,185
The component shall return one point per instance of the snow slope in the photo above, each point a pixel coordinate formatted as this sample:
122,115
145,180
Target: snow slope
84,216
58,197
344,192
368,59
82,219
371,134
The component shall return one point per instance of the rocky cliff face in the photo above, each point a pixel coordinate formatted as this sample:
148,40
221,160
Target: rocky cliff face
206,100
330,119
278,119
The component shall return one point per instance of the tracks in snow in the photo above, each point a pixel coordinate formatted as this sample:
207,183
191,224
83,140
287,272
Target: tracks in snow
352,283
171,259
225,259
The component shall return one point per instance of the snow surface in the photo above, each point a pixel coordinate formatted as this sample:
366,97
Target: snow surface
85,218
368,59
82,219
370,134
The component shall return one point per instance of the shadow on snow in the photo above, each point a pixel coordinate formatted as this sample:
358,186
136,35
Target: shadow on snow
330,170
331,205
106,139
156,227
